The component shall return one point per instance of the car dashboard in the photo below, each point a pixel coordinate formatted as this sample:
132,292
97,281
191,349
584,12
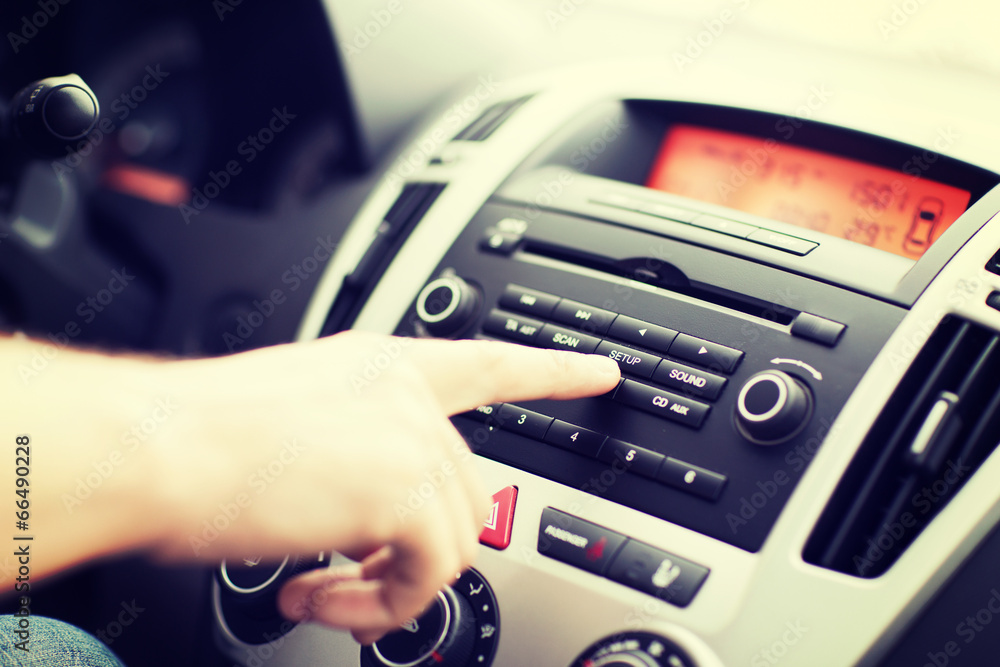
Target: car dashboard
795,265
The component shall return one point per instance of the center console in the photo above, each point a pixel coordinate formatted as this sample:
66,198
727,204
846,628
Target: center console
805,316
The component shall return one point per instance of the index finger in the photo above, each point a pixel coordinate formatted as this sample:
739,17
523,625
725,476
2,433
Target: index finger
465,374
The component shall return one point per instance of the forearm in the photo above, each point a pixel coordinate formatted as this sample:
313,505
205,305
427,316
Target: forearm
88,482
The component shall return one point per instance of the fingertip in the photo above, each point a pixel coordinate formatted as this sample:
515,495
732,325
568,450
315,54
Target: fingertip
605,369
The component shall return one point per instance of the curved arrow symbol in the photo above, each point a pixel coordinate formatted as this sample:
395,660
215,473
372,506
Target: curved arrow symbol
801,364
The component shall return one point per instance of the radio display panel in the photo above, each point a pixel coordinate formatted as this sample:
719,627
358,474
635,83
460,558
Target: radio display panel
893,210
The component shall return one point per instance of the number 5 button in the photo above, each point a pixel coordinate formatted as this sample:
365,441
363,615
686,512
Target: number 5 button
574,438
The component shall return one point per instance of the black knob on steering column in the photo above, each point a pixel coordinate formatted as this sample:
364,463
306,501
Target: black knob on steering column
51,115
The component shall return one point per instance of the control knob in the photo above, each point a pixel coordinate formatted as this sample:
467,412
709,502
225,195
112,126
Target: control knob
50,114
443,636
447,305
772,407
634,649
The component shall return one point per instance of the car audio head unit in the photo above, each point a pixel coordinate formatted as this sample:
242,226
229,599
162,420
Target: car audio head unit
763,281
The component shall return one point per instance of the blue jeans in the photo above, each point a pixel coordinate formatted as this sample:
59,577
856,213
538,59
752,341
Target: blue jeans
51,643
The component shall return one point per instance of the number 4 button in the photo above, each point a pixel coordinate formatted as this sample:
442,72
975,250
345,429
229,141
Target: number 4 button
574,438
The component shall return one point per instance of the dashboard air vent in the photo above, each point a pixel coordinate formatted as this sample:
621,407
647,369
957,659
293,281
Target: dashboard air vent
408,210
939,425
490,120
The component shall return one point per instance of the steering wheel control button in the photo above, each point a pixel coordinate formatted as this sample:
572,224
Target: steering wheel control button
657,572
772,407
251,574
447,305
689,380
525,422
634,649
662,403
641,333
527,301
583,317
558,338
631,361
574,438
706,353
692,479
497,528
630,457
577,542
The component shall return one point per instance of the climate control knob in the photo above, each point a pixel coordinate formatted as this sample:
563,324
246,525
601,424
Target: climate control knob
634,649
440,637
772,407
447,305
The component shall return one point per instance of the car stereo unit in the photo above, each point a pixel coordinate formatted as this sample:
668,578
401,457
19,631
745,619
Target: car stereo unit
805,316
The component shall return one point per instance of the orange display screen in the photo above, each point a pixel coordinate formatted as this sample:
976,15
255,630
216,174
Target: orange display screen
897,211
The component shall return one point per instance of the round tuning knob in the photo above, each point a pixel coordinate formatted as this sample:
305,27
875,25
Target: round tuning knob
50,114
772,407
447,305
442,637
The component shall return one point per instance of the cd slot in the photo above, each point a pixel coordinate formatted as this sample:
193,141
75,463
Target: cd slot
658,272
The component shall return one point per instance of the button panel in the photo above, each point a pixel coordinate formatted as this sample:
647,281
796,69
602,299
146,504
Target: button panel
605,552
623,457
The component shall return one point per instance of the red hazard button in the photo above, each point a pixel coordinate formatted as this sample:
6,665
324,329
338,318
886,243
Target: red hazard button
496,530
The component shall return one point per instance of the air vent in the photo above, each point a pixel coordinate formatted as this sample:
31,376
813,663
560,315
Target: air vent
937,428
490,120
408,210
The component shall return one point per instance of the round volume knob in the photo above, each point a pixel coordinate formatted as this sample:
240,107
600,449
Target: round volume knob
772,407
447,305
441,637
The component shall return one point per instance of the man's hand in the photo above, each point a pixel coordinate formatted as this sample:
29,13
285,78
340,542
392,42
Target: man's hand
291,449
369,416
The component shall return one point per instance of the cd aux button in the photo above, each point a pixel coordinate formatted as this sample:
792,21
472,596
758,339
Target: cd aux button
662,403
